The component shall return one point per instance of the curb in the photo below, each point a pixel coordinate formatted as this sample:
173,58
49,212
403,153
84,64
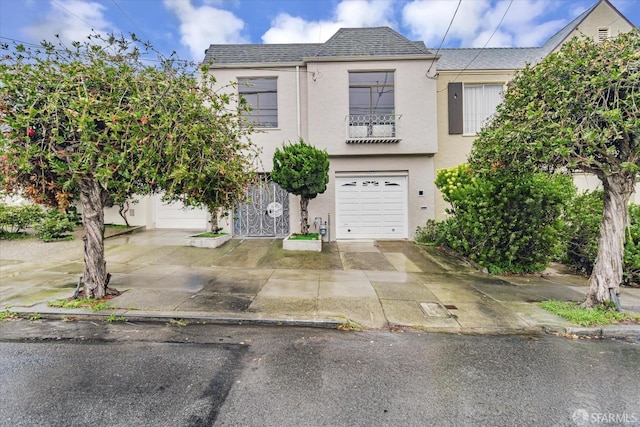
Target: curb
164,318
614,331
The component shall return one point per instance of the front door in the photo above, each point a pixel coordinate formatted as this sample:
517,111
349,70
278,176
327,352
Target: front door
264,214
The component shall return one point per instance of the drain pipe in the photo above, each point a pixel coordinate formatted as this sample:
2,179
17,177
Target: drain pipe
298,100
328,227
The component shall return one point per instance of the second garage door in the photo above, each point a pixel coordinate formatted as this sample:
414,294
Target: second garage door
371,207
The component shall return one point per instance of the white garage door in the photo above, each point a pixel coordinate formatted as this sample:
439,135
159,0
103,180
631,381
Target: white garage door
371,207
174,215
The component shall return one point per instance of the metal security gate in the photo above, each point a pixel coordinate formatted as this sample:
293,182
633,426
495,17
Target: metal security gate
264,214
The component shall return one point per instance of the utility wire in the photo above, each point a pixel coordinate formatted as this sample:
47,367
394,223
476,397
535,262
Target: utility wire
445,34
483,47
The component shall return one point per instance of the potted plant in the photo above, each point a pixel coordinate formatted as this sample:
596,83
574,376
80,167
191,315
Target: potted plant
303,170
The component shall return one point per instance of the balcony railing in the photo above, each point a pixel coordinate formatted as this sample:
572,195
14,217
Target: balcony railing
372,128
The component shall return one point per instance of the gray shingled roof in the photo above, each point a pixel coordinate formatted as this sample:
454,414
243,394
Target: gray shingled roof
259,53
376,41
498,58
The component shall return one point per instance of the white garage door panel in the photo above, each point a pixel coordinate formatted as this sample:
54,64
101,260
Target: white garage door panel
371,207
173,215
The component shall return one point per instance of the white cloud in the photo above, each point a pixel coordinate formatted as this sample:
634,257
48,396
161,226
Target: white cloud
201,26
523,25
348,13
72,20
428,20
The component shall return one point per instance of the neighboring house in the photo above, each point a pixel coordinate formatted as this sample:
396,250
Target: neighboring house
470,82
388,116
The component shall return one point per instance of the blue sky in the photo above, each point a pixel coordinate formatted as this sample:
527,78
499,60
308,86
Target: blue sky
189,26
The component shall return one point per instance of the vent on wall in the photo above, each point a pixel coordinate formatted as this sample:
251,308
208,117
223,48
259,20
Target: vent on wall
603,34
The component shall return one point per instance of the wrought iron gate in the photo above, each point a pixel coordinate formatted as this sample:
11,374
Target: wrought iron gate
264,214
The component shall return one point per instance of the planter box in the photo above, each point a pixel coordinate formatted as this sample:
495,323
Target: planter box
208,242
302,245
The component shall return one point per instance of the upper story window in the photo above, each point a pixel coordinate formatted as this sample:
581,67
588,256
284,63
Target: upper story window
480,103
471,106
371,94
261,93
372,115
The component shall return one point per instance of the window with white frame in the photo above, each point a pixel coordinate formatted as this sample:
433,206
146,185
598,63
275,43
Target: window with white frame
371,104
261,93
480,102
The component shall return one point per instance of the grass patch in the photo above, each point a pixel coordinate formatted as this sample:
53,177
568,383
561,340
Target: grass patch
113,318
349,325
14,236
95,305
178,322
601,315
210,234
310,236
8,315
116,226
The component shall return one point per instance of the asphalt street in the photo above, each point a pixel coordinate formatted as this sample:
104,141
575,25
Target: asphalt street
127,374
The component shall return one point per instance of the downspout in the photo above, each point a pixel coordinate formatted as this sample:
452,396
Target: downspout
298,100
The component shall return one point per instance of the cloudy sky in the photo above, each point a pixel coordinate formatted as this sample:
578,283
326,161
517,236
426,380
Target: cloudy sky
189,26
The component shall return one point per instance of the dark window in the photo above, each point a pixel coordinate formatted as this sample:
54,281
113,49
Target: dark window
261,94
371,94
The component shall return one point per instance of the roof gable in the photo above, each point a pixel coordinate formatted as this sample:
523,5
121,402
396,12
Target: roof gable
375,41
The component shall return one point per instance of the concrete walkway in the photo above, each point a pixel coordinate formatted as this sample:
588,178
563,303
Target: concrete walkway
378,284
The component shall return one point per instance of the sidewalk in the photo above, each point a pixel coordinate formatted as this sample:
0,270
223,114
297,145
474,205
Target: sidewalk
381,284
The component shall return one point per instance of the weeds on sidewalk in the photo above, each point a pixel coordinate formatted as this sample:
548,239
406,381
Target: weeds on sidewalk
95,305
602,315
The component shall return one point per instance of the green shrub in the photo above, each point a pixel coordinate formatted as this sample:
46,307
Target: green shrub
632,248
427,233
16,218
54,226
582,221
507,223
583,230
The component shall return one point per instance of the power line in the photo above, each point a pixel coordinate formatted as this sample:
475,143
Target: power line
483,47
445,34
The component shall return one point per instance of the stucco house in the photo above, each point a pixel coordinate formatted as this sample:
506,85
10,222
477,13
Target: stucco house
389,112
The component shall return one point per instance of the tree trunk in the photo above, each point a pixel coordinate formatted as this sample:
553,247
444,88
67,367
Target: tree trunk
122,210
304,214
608,267
95,277
214,220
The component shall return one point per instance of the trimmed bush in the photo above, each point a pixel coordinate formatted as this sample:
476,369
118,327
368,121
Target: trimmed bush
56,225
507,223
15,219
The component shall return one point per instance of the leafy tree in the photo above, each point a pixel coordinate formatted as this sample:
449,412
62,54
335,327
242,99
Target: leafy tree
577,110
108,118
303,170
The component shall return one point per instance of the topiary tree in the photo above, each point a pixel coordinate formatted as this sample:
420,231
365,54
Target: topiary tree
108,118
577,110
303,170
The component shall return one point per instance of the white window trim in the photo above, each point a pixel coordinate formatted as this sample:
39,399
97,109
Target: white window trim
464,101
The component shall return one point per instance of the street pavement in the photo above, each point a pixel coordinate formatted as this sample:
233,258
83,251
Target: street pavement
350,284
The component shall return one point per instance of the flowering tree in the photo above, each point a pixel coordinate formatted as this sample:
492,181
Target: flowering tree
108,118
577,110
